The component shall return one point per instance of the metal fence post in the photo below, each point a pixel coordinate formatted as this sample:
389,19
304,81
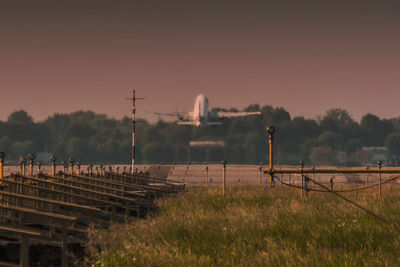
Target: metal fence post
53,165
380,178
78,167
31,158
23,164
39,166
302,177
91,168
2,156
271,132
224,177
306,180
207,175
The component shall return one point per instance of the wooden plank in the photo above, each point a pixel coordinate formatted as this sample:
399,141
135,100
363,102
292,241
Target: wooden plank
114,182
39,213
44,188
133,200
19,230
61,203
8,264
94,185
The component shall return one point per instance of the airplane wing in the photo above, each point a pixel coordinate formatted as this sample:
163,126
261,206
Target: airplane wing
186,123
174,114
213,123
210,123
222,114
182,116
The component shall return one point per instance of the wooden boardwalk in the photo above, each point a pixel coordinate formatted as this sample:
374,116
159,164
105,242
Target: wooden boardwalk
58,209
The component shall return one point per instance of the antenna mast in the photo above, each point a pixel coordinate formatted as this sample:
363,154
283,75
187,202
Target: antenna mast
134,98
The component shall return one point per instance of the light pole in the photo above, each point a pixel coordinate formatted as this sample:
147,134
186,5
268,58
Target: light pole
134,98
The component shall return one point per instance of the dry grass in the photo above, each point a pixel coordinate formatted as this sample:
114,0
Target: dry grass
255,226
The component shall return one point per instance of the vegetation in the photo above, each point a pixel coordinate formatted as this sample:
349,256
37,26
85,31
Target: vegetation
87,136
256,226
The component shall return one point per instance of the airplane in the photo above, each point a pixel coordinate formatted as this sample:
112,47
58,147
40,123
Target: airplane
200,116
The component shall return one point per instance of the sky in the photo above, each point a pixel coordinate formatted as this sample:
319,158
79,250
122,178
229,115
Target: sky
304,56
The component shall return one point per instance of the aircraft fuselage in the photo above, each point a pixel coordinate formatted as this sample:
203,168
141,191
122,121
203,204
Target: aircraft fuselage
200,111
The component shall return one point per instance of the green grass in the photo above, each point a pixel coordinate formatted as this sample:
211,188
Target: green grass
256,226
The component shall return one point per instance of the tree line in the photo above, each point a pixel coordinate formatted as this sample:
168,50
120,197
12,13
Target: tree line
90,137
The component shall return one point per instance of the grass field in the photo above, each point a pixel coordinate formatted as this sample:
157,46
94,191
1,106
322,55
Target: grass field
256,226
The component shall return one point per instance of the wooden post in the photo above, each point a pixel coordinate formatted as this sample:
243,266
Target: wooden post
24,251
113,212
64,248
127,209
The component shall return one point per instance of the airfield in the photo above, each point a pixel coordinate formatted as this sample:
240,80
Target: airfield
196,174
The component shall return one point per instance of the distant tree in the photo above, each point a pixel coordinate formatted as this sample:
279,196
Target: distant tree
86,136
322,155
339,120
392,144
20,117
4,143
332,139
361,157
107,150
153,152
298,130
339,116
274,116
352,146
80,130
235,149
374,131
79,149
239,125
306,147
252,108
396,124
329,125
255,148
22,148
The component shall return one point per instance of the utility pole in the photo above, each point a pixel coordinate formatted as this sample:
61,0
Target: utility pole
134,98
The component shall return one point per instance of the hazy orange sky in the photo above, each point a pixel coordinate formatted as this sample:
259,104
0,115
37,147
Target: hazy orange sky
304,56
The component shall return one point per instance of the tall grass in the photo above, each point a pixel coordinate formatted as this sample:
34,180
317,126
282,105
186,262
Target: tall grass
256,226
